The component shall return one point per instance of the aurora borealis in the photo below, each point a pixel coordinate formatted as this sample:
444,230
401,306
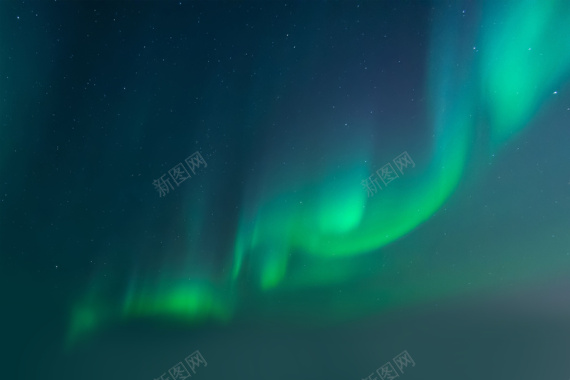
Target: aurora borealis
291,105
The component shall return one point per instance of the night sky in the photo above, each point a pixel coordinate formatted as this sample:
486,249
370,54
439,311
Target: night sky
295,190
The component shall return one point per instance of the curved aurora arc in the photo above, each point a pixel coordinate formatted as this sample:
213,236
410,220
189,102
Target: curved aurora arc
502,83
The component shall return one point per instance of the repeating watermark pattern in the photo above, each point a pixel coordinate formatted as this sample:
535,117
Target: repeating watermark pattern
178,174
388,372
387,173
179,370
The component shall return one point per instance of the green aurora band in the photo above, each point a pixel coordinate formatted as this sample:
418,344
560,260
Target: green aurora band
299,225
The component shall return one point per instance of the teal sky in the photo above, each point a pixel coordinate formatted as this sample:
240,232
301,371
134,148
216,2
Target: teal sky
291,107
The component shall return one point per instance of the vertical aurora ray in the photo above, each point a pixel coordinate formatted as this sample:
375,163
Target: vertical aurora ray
308,232
524,58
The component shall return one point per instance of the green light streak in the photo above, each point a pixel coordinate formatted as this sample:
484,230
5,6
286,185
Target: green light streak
307,233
